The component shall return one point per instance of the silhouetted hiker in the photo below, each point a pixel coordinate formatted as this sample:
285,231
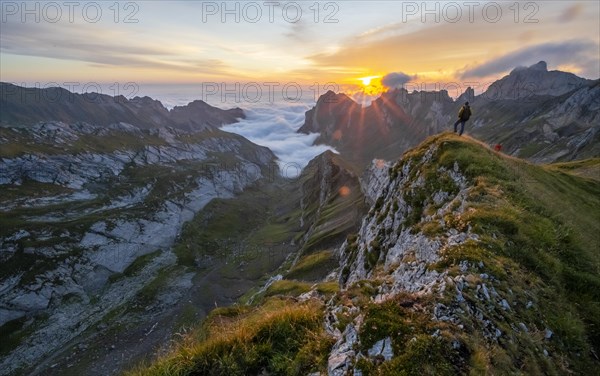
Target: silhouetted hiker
463,115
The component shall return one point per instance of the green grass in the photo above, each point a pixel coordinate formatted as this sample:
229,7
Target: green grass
313,267
13,333
587,168
147,295
328,288
287,288
272,233
84,144
280,337
535,227
538,237
530,150
135,267
31,189
415,350
426,355
240,228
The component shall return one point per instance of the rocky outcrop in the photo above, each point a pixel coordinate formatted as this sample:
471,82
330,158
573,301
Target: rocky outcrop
386,238
27,106
543,129
391,211
536,80
374,179
103,210
385,129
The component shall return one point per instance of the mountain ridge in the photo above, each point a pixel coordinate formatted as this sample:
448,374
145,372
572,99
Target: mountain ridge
523,82
89,218
466,262
545,116
27,106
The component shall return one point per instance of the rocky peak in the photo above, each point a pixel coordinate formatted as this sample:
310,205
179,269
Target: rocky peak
200,115
329,108
467,96
539,66
332,97
535,80
148,102
390,125
542,65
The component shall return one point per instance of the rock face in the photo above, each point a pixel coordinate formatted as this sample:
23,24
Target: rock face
331,202
397,269
543,129
535,80
86,203
28,106
359,258
533,113
385,129
407,256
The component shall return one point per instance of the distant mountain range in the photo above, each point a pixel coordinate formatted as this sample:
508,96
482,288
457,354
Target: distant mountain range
27,106
122,222
541,115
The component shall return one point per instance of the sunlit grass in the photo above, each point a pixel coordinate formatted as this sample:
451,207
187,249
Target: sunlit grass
279,337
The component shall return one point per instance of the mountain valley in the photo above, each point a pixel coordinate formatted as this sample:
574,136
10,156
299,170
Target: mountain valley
146,241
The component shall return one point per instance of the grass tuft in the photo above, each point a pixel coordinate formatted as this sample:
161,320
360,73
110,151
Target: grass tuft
279,337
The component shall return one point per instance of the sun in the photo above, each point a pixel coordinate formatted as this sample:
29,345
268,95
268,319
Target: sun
367,80
371,85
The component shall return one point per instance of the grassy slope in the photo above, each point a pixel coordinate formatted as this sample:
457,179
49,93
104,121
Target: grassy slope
538,231
281,336
587,168
257,221
21,144
328,222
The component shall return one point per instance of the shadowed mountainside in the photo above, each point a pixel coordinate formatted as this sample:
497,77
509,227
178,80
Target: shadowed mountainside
543,116
27,106
388,126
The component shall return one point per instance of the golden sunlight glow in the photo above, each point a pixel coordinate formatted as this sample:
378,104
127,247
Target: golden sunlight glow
369,86
367,80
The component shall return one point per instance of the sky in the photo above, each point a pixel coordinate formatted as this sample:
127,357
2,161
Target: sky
329,44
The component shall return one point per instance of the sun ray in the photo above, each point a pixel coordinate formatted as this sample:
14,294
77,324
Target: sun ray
366,81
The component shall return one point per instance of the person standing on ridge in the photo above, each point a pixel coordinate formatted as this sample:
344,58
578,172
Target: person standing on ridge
463,116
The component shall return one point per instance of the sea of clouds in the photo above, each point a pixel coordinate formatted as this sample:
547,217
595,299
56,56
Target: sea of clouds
275,127
270,122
